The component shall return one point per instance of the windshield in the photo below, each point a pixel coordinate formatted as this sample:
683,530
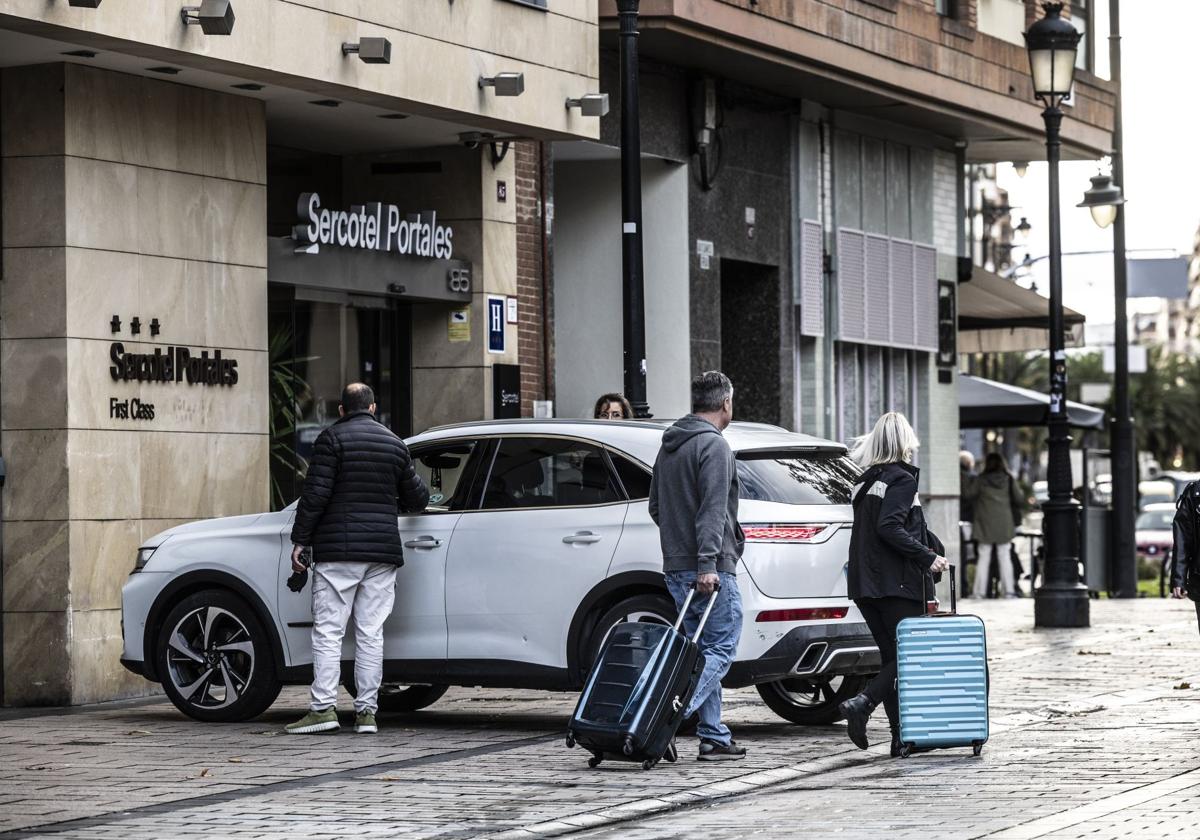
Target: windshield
1155,520
797,477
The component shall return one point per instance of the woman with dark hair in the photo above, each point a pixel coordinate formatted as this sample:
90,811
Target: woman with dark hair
997,507
613,407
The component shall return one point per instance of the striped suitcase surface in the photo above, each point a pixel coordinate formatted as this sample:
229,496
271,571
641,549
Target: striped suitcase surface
943,682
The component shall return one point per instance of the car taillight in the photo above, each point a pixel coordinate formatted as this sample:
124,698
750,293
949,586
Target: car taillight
809,614
783,533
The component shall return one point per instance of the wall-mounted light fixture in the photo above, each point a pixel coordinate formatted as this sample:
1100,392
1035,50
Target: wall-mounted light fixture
370,50
506,84
84,4
590,104
215,17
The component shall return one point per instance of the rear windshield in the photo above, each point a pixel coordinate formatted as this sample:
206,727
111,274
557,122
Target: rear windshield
1156,520
797,477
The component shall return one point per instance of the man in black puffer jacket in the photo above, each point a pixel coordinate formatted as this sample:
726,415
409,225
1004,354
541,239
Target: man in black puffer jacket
360,479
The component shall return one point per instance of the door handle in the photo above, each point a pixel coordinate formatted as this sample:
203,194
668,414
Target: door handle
582,537
423,542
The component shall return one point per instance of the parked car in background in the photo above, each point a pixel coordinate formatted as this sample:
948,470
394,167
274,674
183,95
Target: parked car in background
536,542
1179,478
1153,532
1156,492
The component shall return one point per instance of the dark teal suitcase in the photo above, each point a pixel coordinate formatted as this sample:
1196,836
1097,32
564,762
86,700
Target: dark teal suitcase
942,680
634,699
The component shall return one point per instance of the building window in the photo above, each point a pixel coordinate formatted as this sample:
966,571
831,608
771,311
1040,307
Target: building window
537,4
946,8
1081,18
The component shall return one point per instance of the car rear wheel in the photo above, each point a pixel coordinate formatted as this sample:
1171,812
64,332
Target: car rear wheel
654,609
399,697
215,658
811,701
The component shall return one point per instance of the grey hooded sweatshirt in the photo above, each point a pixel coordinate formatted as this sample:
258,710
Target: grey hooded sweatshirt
694,499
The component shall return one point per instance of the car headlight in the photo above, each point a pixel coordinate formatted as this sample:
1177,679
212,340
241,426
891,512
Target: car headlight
143,557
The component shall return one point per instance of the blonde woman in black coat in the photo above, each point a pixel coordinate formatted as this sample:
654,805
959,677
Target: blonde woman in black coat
892,558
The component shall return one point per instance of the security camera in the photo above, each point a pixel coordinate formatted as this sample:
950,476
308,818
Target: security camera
474,139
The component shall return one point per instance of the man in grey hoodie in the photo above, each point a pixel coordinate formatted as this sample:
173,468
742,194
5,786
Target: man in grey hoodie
694,502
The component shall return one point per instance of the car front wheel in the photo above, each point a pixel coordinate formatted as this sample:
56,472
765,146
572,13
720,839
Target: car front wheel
215,658
811,701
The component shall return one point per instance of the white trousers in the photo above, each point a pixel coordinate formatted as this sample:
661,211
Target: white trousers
983,568
366,592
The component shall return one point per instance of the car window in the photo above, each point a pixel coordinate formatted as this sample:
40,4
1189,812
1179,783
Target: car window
634,478
1155,520
797,477
548,472
443,468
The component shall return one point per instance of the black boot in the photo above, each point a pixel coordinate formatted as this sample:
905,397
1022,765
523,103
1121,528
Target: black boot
857,711
896,740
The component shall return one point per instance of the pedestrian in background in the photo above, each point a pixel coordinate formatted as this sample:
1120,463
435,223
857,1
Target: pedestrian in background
360,478
694,502
612,407
892,557
966,505
998,507
1185,563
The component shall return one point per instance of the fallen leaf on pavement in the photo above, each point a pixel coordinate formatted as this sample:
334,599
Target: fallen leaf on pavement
205,773
1094,652
138,732
236,760
1183,685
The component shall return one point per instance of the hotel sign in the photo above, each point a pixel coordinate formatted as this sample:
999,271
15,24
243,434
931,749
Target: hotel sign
371,227
169,364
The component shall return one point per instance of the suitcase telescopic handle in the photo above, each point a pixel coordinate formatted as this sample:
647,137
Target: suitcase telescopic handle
687,602
953,590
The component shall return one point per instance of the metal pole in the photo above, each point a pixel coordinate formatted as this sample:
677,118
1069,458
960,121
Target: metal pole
1124,448
634,316
1061,601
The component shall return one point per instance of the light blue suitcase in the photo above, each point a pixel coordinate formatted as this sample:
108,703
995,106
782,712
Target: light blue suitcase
942,680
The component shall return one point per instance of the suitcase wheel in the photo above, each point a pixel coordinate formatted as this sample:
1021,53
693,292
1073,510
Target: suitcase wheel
627,747
570,740
648,764
594,761
672,754
978,747
905,750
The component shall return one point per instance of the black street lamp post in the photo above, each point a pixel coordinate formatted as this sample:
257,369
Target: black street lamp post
1061,600
1106,201
634,298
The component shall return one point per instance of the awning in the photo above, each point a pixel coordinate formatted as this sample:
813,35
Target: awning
998,316
983,403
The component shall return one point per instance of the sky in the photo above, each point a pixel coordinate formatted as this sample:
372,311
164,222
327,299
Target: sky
1162,173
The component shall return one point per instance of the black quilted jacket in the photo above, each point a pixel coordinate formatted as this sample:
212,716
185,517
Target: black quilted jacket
891,548
360,478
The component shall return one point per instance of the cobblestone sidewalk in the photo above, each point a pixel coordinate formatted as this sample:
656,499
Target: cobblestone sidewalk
1093,734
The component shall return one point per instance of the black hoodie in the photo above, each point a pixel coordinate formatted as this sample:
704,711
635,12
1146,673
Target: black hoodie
694,499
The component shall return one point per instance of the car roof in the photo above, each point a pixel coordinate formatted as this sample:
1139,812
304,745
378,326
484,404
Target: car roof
1157,507
639,438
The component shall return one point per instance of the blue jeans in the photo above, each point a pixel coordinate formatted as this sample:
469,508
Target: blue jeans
718,644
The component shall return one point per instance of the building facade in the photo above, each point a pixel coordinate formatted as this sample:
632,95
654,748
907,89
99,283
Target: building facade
205,236
806,200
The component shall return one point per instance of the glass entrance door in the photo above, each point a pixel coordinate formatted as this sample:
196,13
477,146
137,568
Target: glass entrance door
319,341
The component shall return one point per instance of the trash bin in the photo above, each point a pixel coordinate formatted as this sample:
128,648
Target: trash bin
1095,546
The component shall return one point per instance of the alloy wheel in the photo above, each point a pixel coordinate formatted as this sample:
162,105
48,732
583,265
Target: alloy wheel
210,657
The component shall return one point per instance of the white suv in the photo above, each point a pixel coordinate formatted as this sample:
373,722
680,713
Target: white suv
536,541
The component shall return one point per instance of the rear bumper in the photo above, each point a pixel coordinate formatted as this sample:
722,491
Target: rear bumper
818,650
